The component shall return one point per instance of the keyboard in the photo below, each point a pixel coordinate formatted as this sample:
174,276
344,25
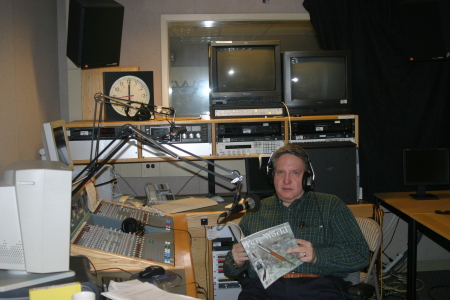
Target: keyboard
175,206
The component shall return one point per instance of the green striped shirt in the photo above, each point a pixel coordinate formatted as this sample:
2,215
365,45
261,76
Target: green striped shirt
326,222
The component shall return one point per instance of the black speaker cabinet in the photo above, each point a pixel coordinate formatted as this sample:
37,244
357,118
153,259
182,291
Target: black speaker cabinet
426,28
94,33
336,170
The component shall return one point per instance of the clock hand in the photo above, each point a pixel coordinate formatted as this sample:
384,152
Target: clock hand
129,90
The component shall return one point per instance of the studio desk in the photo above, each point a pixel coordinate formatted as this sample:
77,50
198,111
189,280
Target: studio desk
97,234
421,216
188,248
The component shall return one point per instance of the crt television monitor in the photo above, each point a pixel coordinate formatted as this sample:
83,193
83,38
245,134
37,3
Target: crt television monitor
56,143
257,180
423,168
317,82
243,73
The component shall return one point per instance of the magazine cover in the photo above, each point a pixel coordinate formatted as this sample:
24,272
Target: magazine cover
267,251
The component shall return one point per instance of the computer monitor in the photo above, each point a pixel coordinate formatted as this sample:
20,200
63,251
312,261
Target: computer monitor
56,143
35,201
256,177
424,168
317,82
245,73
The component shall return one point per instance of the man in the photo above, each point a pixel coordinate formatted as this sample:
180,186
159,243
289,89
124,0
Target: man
330,243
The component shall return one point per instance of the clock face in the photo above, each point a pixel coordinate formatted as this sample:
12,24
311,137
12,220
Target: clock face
129,88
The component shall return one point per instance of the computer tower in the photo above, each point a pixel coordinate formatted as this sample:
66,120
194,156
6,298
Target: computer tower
94,33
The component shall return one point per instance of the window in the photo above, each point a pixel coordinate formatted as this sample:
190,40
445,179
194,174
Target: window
184,48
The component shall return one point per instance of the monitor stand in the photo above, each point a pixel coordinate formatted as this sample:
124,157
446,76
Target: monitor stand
422,195
13,279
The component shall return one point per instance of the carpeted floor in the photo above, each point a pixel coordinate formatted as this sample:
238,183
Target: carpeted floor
431,285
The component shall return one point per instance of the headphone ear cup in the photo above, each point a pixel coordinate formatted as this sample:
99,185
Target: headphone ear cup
270,173
308,178
307,182
131,225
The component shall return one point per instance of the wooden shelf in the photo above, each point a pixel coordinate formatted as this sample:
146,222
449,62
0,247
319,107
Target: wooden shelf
160,121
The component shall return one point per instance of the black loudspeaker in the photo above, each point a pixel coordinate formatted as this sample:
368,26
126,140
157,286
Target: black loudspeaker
336,170
426,28
94,33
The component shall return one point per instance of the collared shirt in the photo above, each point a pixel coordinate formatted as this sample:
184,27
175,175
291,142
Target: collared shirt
322,219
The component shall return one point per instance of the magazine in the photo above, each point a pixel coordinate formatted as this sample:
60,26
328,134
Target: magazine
267,251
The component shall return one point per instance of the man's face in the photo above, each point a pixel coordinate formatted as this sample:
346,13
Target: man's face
288,178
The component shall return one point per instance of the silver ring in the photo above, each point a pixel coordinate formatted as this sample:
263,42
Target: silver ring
304,254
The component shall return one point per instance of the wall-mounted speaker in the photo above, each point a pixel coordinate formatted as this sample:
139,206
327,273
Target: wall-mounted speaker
94,33
426,28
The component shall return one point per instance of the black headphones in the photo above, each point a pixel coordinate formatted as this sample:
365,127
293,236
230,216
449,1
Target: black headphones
132,225
308,176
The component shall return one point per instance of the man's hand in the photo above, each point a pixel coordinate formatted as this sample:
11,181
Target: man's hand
305,251
239,255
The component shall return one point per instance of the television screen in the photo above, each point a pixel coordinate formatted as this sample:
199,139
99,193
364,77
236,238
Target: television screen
424,168
245,69
245,73
317,82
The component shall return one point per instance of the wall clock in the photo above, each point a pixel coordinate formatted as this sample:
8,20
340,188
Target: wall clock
135,86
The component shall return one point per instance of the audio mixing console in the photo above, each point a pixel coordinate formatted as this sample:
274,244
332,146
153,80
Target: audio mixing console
148,236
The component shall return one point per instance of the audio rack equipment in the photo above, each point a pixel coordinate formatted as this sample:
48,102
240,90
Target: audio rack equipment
224,288
246,112
194,138
80,141
323,132
249,138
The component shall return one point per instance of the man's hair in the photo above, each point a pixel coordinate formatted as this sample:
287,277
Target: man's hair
294,150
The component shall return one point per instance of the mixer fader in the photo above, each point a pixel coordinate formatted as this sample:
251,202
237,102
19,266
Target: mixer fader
102,230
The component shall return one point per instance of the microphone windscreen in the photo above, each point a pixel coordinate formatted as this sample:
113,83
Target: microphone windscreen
254,202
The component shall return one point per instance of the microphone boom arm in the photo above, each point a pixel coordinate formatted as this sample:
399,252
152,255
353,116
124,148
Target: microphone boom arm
131,132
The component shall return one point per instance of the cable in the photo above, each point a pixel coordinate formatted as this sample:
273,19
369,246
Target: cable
190,236
192,177
289,121
118,174
116,269
437,287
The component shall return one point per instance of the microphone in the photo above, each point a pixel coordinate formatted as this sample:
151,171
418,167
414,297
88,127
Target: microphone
252,203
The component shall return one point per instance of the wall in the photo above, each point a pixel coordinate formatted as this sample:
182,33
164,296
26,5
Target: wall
29,79
141,36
